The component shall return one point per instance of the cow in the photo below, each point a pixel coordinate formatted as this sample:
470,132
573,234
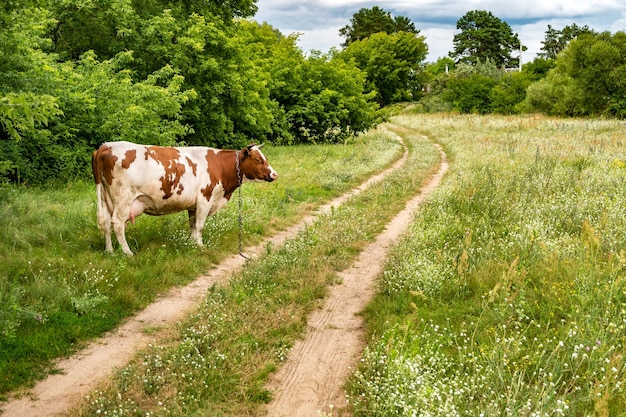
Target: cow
132,179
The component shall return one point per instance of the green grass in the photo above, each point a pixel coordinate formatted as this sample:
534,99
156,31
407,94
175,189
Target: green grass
59,289
508,295
217,362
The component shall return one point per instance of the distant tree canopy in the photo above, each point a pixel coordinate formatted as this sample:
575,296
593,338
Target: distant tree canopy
588,78
393,64
367,22
484,37
556,41
390,51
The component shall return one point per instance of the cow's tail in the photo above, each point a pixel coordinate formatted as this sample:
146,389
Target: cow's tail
104,214
95,167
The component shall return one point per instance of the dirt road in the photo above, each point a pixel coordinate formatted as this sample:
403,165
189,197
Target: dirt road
310,382
85,371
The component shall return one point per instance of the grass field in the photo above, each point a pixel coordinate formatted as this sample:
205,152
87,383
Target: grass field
218,361
58,288
508,295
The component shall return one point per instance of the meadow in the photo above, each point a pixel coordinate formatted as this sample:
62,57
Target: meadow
217,362
59,289
507,297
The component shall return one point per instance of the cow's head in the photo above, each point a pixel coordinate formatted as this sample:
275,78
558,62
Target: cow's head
254,165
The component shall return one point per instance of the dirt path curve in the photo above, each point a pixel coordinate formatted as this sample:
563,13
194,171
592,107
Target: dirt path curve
310,382
85,371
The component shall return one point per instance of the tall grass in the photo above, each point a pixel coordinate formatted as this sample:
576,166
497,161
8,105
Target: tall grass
508,295
59,289
218,361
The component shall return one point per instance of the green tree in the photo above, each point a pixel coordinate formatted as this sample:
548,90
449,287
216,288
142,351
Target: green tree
198,39
555,95
441,66
331,102
557,40
539,67
596,64
111,26
484,37
588,78
53,114
393,64
367,22
468,89
508,95
315,99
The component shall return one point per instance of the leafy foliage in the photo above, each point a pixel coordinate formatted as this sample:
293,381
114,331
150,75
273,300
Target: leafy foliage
329,103
484,37
53,114
393,64
76,73
587,79
556,41
367,22
469,88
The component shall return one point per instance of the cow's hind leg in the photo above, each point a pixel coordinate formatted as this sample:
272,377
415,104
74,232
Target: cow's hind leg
119,226
104,218
108,243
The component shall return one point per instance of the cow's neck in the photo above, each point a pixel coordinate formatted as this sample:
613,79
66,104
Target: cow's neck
230,180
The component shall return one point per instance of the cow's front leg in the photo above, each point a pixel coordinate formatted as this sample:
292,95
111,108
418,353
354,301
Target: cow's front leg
193,228
199,219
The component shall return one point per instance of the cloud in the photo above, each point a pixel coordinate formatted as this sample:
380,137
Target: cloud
319,21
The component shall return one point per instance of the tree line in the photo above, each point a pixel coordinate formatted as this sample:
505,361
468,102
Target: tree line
579,72
76,73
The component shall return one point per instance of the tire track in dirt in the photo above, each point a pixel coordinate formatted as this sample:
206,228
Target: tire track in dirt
85,371
310,381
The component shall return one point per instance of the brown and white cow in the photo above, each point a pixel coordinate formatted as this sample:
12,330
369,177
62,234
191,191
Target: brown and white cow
133,179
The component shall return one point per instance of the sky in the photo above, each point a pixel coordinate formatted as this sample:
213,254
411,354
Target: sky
318,21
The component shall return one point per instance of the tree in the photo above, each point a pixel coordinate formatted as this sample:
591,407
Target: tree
314,99
539,67
588,78
508,95
557,40
469,87
366,22
331,103
441,66
393,64
484,37
53,114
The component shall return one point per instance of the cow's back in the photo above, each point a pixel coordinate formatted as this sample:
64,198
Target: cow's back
163,179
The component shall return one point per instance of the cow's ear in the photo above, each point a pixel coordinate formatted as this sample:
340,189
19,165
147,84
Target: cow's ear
247,150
